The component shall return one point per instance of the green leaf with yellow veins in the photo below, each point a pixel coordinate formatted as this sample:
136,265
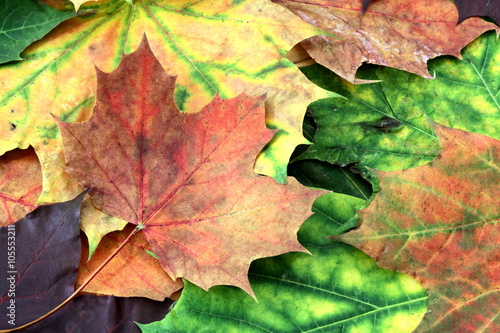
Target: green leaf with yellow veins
371,127
24,21
463,95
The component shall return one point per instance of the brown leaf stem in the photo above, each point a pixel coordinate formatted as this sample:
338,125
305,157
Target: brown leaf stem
84,284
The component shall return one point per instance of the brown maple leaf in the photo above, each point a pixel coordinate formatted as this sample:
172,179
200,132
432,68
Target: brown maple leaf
186,178
402,34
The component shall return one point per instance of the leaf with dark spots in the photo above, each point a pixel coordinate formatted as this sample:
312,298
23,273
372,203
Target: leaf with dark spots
102,314
463,93
186,177
468,8
385,124
39,258
20,184
371,126
440,223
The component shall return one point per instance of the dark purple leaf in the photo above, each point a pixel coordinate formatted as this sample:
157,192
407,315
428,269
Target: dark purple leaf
102,314
468,8
39,257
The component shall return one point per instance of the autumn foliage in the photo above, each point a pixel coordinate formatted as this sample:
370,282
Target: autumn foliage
225,154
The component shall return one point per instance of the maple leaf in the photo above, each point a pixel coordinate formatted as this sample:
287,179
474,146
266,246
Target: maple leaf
186,178
142,273
40,257
43,242
23,22
403,34
442,99
446,234
339,288
198,42
468,9
20,184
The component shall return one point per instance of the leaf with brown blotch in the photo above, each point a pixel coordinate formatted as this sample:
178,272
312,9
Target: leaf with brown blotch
20,184
187,178
439,223
403,34
133,272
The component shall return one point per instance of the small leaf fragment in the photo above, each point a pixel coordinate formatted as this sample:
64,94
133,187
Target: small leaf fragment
468,9
24,21
20,184
78,3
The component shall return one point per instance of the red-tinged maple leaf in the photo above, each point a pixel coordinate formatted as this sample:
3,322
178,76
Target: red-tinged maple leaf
402,34
439,222
132,272
20,184
187,178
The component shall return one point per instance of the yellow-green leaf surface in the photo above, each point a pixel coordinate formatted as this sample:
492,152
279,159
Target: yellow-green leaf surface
463,95
223,48
210,46
337,289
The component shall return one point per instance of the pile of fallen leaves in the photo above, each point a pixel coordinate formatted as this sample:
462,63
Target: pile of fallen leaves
200,166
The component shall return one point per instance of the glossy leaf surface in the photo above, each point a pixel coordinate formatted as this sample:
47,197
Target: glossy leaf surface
371,126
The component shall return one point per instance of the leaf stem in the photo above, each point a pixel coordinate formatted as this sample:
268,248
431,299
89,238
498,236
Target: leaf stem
84,284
